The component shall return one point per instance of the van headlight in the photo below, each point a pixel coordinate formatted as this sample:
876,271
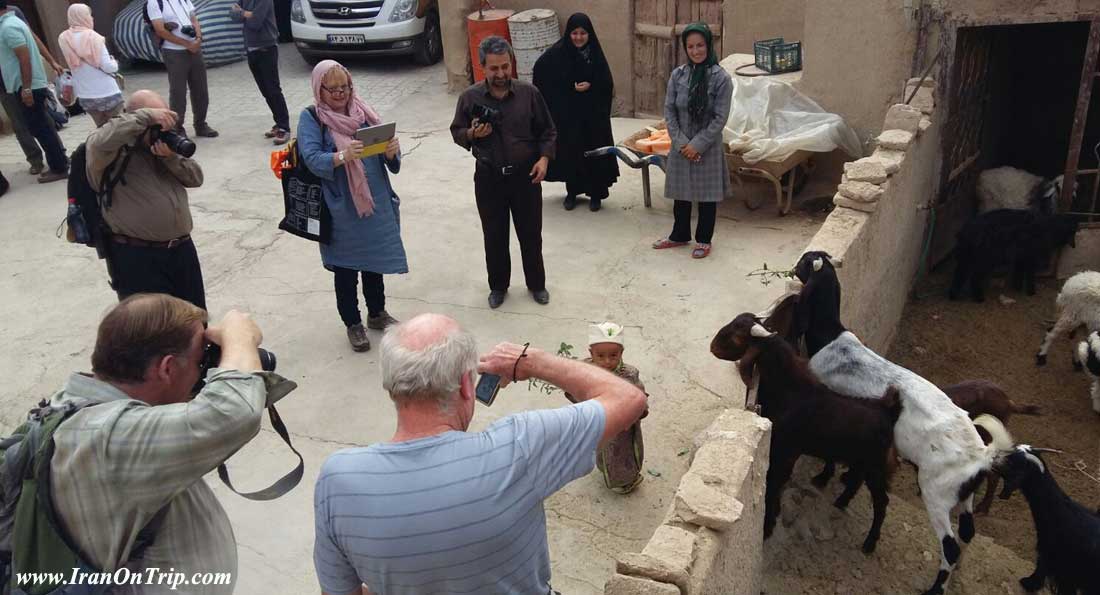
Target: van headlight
403,11
297,12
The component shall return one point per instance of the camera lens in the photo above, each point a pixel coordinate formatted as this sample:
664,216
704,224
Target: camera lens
267,360
179,144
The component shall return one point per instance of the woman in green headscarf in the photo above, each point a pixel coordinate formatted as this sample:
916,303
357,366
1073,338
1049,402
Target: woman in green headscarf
697,106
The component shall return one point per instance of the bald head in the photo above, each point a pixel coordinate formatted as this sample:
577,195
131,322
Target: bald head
145,99
426,357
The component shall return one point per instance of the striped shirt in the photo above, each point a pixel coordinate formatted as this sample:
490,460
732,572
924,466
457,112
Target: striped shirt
117,463
453,513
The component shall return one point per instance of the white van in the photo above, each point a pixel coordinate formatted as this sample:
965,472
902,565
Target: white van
350,28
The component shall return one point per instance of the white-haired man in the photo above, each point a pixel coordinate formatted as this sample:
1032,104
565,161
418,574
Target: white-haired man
440,509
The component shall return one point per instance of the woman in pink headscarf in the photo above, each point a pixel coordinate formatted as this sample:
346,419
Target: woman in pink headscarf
366,230
92,66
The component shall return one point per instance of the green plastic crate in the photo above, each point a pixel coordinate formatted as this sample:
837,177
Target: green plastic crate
775,56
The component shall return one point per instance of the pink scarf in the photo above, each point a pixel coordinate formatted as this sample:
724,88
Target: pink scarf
343,127
90,47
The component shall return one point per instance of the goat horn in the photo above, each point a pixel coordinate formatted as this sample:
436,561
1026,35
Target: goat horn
760,332
1050,450
818,263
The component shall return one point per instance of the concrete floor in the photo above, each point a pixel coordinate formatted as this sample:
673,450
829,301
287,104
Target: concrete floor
599,267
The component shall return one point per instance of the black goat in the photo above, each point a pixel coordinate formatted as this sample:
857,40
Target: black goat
817,314
810,419
1068,548
1021,240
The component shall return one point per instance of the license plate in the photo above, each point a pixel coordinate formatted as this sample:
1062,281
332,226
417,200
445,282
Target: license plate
346,39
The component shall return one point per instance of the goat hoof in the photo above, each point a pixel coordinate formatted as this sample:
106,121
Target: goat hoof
869,546
1040,360
966,527
1031,583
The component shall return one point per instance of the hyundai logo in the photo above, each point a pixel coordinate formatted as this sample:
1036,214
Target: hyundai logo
344,11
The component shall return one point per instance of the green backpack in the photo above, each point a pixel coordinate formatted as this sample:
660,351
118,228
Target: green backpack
32,539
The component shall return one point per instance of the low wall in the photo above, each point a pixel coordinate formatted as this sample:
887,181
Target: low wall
709,543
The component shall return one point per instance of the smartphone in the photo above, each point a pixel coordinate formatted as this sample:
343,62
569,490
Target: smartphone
487,387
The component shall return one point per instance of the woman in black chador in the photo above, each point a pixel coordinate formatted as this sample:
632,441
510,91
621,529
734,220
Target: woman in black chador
575,79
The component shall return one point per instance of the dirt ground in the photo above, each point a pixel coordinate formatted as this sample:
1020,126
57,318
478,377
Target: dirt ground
947,342
815,549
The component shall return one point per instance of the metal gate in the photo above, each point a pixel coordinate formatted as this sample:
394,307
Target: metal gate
967,100
657,27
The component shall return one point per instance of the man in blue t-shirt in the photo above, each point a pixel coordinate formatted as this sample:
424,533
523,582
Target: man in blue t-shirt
441,509
11,104
24,77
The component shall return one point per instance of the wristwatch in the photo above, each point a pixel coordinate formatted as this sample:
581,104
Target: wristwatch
341,156
26,91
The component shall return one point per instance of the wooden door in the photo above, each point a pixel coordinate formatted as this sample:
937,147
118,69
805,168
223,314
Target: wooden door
657,49
968,100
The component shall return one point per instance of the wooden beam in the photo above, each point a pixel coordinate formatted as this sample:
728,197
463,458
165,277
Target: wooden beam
669,32
1080,116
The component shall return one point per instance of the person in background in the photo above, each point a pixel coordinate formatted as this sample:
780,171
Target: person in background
261,37
575,79
366,222
24,76
13,106
440,509
620,460
506,125
178,26
92,66
697,106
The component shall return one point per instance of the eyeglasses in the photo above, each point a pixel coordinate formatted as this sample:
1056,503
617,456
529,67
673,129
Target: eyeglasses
341,90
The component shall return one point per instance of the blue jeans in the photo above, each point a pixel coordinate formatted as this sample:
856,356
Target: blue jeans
41,126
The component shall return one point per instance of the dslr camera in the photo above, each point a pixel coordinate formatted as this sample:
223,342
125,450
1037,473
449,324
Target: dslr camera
181,145
188,30
212,355
485,114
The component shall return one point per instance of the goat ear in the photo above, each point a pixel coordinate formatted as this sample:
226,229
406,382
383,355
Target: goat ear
818,263
760,332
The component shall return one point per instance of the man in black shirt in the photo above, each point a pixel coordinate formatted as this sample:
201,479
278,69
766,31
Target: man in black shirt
507,126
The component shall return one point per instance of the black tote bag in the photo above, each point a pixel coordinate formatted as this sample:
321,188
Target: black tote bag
307,216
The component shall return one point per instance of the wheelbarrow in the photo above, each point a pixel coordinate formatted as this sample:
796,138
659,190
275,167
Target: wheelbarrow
635,159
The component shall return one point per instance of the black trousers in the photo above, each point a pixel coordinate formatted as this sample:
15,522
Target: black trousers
175,271
681,227
498,197
347,302
41,126
264,64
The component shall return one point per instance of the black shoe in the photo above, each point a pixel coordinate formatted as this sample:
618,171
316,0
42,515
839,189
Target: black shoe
594,204
496,298
4,185
541,296
570,202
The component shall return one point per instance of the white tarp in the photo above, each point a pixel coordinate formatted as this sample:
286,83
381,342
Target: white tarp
770,120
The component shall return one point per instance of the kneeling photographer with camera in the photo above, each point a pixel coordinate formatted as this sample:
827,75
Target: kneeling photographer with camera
506,125
142,171
134,441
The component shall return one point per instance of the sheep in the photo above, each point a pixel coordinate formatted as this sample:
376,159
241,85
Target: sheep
1022,240
1067,534
1012,188
1088,354
1078,305
931,432
810,419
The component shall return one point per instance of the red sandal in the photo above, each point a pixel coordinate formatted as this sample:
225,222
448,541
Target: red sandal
663,243
700,251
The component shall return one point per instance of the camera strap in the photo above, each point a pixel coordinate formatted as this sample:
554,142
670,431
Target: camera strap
286,482
113,175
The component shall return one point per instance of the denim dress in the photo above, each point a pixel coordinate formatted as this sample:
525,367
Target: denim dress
371,243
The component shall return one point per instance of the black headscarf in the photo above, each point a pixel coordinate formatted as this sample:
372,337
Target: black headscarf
699,86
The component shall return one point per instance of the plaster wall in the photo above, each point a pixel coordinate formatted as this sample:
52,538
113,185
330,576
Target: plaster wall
612,19
746,21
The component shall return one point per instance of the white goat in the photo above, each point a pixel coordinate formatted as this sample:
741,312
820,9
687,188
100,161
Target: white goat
1012,188
1078,304
931,432
1088,354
